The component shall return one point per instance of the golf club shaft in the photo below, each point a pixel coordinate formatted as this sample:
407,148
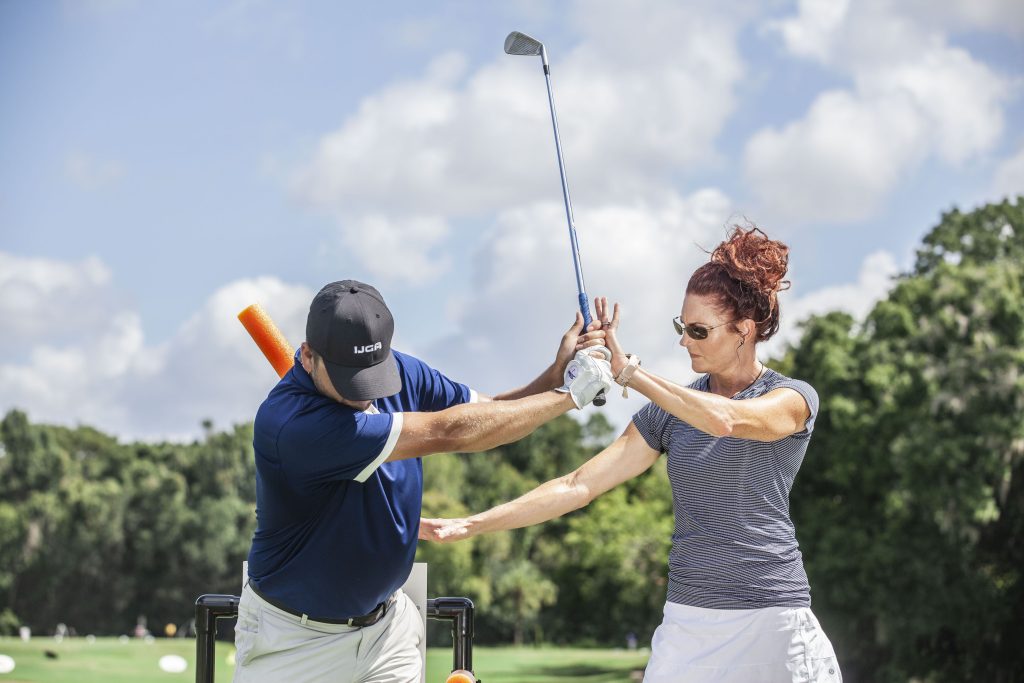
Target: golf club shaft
580,286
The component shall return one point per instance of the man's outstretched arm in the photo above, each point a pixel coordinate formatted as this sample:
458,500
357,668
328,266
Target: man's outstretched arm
481,426
473,427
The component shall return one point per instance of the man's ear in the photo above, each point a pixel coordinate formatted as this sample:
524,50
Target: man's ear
306,357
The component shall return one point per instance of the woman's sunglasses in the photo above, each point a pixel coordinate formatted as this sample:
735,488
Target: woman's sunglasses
696,331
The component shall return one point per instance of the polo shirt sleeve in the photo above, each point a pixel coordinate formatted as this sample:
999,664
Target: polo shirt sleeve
338,445
431,390
811,398
652,423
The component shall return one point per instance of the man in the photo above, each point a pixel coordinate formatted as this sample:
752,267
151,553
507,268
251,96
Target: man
339,485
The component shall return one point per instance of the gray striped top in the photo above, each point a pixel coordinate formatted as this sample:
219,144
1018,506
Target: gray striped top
734,545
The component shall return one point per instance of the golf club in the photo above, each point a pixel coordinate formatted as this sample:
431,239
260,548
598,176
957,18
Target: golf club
521,44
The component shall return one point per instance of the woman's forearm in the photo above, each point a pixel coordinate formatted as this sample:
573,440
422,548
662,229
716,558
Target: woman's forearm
709,413
549,500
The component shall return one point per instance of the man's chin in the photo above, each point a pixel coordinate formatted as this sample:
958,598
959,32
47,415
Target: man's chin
356,405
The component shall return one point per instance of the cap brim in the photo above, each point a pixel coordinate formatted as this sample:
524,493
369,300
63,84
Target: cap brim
366,384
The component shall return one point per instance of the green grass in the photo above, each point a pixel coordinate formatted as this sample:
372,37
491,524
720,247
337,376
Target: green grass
109,661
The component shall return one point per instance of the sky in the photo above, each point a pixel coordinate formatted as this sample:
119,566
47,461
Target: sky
165,164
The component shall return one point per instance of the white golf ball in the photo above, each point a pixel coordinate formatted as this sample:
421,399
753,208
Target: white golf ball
6,664
173,664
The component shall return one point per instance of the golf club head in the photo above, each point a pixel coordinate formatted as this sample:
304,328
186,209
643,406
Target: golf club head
521,44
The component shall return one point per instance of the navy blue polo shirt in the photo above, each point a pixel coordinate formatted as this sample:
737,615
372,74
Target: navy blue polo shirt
336,525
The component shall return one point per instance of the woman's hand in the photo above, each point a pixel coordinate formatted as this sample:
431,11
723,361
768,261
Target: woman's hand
444,530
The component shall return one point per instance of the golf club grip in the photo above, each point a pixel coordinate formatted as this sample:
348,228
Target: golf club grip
600,399
585,310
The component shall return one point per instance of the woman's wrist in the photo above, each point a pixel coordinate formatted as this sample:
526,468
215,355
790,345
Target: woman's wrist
619,361
623,376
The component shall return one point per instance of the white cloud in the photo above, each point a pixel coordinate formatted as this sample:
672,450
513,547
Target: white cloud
913,98
466,141
211,368
838,163
959,100
809,34
522,300
393,249
523,297
1009,177
90,173
1004,16
92,365
874,281
47,299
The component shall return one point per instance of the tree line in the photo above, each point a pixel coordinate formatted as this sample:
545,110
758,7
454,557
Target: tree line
909,507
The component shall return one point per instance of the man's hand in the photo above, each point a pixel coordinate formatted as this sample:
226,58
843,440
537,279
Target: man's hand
444,530
586,376
568,346
603,331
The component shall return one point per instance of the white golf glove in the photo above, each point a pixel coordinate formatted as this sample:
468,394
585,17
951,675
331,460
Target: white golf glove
586,376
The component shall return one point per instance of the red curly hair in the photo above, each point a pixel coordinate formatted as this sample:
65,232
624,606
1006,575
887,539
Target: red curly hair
744,277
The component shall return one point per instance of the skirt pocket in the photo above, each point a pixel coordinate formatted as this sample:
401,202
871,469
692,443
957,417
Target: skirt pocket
819,663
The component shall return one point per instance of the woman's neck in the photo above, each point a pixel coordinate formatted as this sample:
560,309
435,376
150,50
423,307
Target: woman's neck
735,379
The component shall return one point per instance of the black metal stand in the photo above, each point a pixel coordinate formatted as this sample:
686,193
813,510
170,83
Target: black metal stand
210,608
460,612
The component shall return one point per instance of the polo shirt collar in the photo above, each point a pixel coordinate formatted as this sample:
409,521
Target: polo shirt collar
302,378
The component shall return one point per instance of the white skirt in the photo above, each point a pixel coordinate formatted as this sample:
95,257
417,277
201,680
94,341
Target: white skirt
769,645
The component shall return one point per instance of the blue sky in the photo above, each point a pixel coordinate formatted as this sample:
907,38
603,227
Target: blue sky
165,164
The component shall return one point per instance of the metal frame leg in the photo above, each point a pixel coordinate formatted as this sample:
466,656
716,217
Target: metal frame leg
211,607
460,612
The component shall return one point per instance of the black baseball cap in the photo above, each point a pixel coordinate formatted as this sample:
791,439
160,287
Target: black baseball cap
350,326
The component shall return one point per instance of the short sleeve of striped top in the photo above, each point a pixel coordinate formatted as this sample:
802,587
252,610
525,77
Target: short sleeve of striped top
734,545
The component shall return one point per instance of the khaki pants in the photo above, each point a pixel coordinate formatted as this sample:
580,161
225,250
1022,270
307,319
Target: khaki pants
273,647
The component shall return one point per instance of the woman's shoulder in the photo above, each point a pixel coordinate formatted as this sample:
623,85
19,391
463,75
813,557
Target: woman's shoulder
774,379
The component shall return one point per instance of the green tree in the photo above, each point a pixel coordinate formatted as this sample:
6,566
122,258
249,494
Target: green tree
94,533
521,591
909,507
612,565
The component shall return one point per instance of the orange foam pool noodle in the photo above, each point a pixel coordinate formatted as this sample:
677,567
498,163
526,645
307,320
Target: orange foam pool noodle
270,340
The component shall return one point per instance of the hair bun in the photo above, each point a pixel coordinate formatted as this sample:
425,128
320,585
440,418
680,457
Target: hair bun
750,257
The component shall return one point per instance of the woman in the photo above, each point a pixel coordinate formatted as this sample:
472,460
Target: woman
738,605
